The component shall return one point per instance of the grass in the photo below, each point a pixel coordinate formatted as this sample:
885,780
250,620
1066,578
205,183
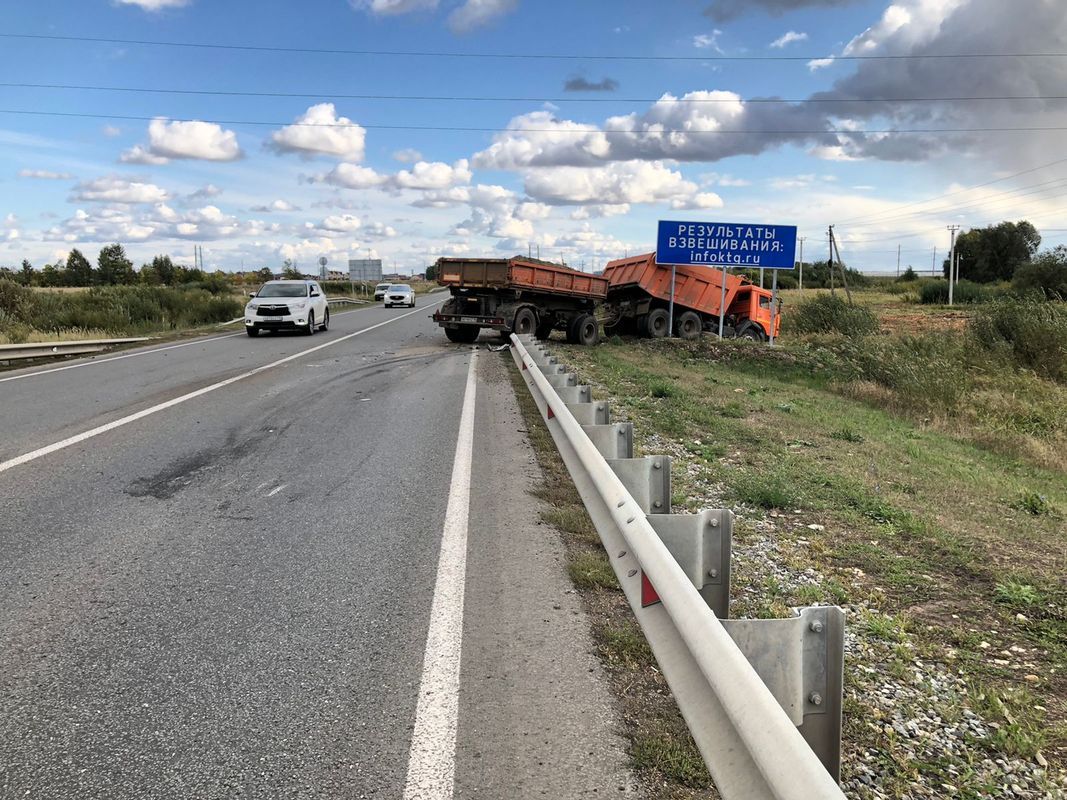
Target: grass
945,525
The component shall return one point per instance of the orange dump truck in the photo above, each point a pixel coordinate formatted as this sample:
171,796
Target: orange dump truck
518,295
639,295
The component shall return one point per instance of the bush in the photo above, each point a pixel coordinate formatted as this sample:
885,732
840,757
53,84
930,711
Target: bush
830,314
964,293
1046,275
118,310
924,372
1032,330
908,275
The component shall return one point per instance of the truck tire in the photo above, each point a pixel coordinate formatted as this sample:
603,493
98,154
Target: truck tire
586,330
688,326
750,332
464,335
656,323
525,321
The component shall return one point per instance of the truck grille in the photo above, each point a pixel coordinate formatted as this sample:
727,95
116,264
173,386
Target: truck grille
273,311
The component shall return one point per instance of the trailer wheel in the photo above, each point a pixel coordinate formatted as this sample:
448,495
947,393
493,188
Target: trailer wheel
525,321
586,330
656,323
688,325
464,335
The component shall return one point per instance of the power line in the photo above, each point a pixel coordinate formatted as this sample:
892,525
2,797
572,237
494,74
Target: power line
519,99
473,129
515,56
953,193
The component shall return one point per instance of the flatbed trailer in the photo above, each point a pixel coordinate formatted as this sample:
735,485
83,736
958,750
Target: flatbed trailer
518,295
639,296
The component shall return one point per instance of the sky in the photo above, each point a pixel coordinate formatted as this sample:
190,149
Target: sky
412,129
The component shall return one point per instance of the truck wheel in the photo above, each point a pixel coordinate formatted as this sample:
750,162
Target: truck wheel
525,321
656,323
751,333
586,330
544,328
688,325
465,335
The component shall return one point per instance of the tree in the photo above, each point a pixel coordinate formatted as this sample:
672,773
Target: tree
994,253
51,275
114,267
289,271
27,276
264,274
78,272
164,269
431,272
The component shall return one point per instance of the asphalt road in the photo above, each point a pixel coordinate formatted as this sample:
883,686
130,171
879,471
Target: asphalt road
217,567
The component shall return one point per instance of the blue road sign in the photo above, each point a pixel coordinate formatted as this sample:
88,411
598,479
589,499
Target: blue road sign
726,244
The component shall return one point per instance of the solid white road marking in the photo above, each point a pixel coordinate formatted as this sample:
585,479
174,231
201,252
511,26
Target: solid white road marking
96,361
432,761
118,423
275,491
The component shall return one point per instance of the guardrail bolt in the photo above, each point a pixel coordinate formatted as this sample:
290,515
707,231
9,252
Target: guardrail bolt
657,465
658,504
622,553
713,573
713,523
631,573
815,627
631,519
620,504
622,432
815,698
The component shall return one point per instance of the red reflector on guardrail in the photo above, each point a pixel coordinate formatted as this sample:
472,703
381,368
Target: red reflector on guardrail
649,596
551,413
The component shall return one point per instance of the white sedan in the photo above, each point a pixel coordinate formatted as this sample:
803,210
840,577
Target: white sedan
399,294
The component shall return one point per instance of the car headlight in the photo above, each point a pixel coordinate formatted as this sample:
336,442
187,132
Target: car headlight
251,307
299,304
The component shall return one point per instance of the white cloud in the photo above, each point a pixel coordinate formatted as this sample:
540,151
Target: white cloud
341,223
153,5
476,13
353,176
820,63
700,200
613,184
391,7
717,179
321,132
44,174
113,189
205,192
407,156
533,211
191,139
279,206
110,131
788,38
433,175
540,138
704,41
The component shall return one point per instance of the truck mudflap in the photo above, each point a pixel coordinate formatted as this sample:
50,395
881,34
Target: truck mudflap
457,320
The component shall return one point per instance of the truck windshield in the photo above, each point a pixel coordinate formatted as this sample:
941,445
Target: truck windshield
283,290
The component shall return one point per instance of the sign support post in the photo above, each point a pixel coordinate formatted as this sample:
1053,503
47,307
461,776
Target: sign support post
774,306
722,302
670,320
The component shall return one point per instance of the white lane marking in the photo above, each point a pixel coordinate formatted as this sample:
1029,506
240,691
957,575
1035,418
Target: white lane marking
116,358
96,361
432,761
273,492
118,423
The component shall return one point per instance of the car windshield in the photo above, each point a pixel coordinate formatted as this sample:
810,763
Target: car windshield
382,286
399,288
283,290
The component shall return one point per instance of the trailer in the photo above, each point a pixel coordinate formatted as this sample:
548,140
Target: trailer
639,296
518,295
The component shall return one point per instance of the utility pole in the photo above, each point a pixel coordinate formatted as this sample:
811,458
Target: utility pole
830,263
898,260
933,264
841,264
802,263
951,259
761,277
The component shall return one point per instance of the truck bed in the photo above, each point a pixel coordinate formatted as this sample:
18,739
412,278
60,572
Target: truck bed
699,288
519,274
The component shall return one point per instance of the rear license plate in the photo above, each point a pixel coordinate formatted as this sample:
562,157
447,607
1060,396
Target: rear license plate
468,319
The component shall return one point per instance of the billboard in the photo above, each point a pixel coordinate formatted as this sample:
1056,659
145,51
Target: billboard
365,269
726,244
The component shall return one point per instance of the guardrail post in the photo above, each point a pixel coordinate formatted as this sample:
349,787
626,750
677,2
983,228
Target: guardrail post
598,413
801,660
561,379
615,441
575,394
648,479
701,544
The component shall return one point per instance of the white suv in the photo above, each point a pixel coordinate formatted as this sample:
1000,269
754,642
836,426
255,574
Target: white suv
287,306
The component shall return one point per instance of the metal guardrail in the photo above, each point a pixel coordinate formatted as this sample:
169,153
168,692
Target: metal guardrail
349,300
762,698
11,352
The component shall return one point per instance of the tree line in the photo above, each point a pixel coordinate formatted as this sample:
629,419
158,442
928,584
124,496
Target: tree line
114,268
